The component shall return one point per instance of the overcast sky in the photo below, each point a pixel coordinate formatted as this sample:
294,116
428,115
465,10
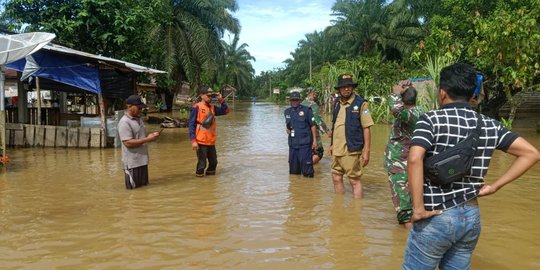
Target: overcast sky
272,28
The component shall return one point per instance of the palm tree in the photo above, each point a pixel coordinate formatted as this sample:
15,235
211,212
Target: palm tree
188,36
313,52
238,70
404,29
373,26
361,24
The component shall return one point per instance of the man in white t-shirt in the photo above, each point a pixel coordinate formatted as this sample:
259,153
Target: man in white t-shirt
134,139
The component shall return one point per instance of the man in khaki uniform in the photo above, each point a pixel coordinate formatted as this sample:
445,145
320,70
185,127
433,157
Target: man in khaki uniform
351,137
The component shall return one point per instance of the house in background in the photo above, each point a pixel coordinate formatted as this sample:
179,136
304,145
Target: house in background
67,89
183,96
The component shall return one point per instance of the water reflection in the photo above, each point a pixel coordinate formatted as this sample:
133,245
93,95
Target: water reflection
69,209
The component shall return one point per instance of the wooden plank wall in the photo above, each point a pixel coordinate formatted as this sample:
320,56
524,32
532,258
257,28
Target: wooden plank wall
29,135
61,137
53,136
84,137
15,134
95,137
39,136
50,136
73,137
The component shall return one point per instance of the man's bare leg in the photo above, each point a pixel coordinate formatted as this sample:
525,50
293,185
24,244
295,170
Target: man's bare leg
356,185
338,183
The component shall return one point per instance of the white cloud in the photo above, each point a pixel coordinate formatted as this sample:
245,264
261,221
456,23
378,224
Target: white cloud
273,28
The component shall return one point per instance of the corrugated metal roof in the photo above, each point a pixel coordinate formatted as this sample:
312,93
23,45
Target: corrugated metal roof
102,59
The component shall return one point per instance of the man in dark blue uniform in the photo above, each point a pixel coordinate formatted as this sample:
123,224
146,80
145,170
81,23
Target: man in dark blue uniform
301,130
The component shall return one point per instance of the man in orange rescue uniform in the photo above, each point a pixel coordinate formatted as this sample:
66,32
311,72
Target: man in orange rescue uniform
202,130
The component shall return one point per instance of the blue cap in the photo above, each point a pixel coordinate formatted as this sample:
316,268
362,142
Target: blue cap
206,91
136,100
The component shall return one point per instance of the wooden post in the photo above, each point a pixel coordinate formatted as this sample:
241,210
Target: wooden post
38,90
103,120
22,101
2,111
3,129
83,103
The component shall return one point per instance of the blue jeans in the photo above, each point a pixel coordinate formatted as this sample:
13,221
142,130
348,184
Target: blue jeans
446,240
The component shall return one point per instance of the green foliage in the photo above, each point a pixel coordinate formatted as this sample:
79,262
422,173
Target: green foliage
507,123
441,44
114,28
374,76
316,50
180,37
237,70
183,113
370,28
433,67
505,46
380,110
507,41
499,37
361,25
380,42
186,38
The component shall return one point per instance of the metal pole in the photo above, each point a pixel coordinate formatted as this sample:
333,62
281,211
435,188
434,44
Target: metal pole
103,120
310,64
270,86
2,94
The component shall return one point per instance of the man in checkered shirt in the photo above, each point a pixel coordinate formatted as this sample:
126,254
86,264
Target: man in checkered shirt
446,218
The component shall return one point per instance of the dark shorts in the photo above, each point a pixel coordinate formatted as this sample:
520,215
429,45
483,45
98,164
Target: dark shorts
301,161
136,177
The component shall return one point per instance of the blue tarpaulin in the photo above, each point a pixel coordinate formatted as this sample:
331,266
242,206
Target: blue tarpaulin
65,69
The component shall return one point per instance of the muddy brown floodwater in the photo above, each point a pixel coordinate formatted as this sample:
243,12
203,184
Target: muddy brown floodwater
69,209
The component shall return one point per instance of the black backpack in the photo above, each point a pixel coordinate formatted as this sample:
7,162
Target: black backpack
454,163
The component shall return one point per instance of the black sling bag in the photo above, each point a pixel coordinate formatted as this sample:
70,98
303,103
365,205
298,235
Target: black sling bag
454,163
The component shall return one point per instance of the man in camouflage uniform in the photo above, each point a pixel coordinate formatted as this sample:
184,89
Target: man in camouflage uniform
321,125
402,102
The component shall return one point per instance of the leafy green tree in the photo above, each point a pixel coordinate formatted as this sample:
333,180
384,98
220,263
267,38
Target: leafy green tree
499,37
187,38
403,30
237,68
262,84
181,37
316,50
268,80
114,28
375,78
506,47
361,24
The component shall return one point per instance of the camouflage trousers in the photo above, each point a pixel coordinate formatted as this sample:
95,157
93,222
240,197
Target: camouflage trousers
401,197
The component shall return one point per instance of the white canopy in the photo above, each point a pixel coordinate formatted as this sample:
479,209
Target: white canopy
15,47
